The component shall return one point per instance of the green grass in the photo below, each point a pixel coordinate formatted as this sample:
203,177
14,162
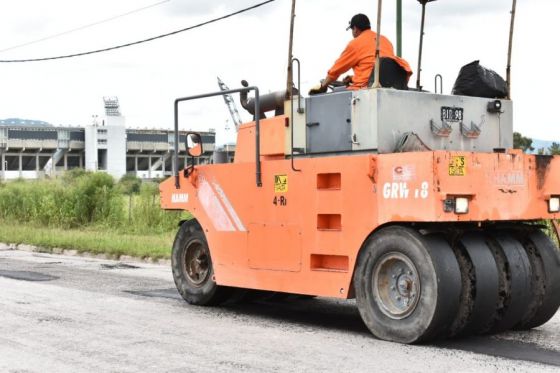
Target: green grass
96,241
88,212
550,231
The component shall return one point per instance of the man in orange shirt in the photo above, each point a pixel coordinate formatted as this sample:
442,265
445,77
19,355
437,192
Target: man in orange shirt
359,55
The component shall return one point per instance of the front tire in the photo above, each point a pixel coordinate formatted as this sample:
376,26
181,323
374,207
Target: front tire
192,268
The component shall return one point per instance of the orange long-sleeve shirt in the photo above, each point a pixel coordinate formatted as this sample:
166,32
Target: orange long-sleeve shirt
359,55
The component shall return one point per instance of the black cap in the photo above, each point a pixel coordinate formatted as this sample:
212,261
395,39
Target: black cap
361,21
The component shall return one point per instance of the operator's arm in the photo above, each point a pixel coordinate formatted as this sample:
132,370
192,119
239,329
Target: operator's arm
321,87
347,60
328,80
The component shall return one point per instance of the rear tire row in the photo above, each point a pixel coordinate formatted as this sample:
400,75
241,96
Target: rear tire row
412,287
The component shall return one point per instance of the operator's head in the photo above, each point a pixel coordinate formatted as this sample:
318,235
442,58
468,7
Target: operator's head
359,23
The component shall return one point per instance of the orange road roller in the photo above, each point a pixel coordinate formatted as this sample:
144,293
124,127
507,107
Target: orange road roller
413,203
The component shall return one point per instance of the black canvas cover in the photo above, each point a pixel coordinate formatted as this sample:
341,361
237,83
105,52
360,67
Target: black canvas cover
477,81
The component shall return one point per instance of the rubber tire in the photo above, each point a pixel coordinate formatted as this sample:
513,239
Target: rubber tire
518,295
440,284
485,299
208,293
545,256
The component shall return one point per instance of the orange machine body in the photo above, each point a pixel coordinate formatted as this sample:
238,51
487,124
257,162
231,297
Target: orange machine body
301,231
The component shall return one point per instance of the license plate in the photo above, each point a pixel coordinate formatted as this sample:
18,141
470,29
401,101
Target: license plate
451,114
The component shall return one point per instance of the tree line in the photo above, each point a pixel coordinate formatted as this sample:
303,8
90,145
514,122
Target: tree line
526,144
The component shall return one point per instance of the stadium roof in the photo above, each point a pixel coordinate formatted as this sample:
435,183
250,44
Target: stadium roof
23,122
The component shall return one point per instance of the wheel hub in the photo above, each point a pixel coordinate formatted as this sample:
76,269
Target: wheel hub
405,284
197,267
396,285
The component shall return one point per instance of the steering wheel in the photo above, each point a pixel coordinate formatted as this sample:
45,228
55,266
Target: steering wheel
336,84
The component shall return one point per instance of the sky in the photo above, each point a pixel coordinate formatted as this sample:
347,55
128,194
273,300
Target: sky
252,46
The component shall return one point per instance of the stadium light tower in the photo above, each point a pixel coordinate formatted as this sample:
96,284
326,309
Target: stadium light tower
112,107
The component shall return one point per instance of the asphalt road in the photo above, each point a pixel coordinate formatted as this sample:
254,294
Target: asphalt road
72,314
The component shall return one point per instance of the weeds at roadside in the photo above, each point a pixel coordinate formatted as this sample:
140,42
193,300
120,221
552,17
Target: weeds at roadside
81,199
88,212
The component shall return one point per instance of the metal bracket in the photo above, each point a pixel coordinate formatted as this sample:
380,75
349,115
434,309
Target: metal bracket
472,132
187,171
442,131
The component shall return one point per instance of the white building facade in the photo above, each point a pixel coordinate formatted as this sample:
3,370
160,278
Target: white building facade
33,150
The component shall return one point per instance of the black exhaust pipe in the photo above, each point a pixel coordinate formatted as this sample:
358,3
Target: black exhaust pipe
271,101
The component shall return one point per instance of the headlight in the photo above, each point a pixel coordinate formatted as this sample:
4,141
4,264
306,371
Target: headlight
494,106
462,205
458,205
554,204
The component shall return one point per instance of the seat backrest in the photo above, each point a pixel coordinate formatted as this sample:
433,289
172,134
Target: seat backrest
391,74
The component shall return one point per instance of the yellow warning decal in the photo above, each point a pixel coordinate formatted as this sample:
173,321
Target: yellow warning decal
457,166
280,183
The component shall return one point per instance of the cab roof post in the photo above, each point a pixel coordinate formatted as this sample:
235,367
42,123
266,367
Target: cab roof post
423,2
376,83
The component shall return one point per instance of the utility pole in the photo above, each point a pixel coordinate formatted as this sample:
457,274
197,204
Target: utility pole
376,83
510,47
399,28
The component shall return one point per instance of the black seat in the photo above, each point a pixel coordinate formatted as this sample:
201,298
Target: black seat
391,74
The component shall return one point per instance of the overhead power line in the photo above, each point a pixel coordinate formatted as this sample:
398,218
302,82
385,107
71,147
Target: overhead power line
140,41
84,27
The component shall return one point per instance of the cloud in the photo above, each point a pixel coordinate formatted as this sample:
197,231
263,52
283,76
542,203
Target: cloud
451,14
458,9
181,8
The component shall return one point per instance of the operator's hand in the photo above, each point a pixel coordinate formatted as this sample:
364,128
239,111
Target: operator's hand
319,88
347,80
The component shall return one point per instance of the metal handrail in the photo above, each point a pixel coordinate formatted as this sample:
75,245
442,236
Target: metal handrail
221,93
439,78
299,110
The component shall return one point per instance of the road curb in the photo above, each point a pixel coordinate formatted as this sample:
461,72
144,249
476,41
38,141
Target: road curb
86,254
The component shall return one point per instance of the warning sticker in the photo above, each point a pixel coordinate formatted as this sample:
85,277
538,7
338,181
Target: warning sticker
280,183
457,166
